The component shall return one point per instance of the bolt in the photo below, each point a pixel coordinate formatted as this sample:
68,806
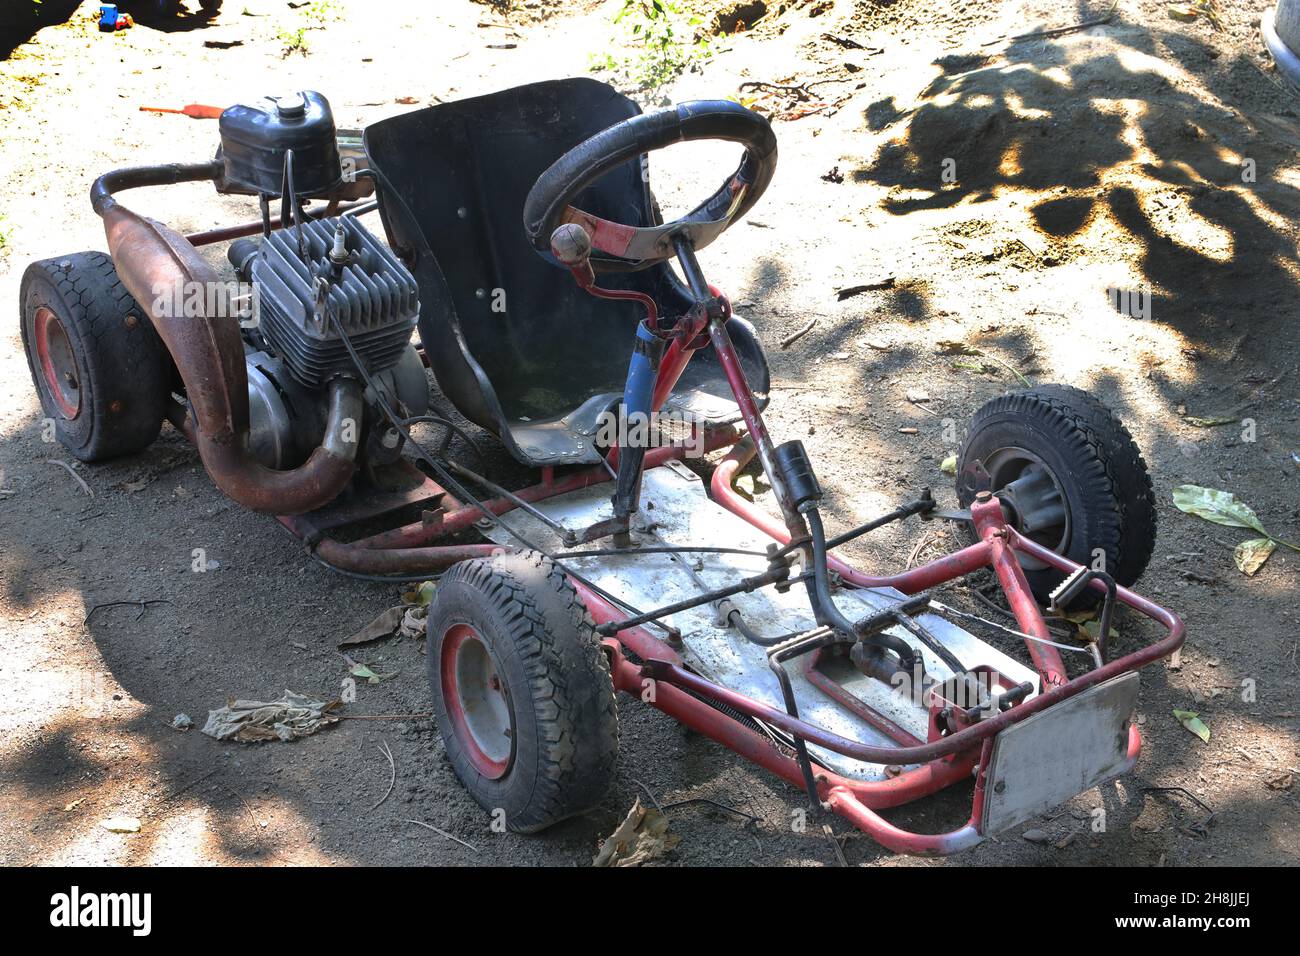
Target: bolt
1000,786
983,496
115,407
131,320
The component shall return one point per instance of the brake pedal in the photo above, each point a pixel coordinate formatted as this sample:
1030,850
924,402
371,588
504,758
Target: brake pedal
1069,589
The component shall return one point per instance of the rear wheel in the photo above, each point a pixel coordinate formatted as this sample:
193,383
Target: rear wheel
1069,476
102,373
521,689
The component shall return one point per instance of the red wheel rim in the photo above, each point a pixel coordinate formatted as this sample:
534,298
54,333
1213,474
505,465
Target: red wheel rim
476,701
58,364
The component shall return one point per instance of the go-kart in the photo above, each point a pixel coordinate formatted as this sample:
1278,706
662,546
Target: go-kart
524,242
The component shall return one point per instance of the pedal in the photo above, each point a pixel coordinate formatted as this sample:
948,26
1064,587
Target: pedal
1069,589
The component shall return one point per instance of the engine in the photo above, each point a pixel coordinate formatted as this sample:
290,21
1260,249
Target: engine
309,277
318,286
339,275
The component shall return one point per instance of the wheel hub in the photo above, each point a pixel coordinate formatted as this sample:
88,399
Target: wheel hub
1032,499
476,701
58,364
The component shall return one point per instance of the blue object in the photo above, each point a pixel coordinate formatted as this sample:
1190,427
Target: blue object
108,16
641,372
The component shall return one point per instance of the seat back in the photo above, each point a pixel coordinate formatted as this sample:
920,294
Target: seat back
513,341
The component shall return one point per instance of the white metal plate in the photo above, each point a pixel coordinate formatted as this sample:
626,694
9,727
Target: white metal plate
677,508
1059,753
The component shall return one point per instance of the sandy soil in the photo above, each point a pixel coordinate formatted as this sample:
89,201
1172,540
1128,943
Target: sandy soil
1106,158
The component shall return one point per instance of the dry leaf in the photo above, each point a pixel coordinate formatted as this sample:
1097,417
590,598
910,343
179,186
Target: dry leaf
1251,555
121,825
641,837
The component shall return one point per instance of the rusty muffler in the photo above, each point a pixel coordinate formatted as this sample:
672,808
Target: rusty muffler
160,268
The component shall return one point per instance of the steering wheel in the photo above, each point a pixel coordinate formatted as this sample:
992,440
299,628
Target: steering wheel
617,247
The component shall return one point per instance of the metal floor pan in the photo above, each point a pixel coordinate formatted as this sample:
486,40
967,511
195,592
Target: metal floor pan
679,512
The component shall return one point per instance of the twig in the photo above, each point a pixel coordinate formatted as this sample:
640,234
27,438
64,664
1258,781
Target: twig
793,337
850,44
443,833
384,716
1199,828
179,790
799,91
649,793
1060,31
713,803
240,797
835,844
1012,369
392,766
142,605
76,477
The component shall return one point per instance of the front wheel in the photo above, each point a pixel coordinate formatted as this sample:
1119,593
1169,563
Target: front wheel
1069,476
521,687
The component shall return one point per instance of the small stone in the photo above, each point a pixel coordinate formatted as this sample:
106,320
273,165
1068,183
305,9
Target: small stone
1035,836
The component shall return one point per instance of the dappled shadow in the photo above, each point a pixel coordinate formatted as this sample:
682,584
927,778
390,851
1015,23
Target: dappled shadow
1091,130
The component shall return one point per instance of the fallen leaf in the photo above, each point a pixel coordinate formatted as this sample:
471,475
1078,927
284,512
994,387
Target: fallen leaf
74,804
751,487
1208,422
382,626
1093,630
366,674
1221,507
641,837
1192,721
121,825
1251,555
956,347
413,622
421,595
1282,781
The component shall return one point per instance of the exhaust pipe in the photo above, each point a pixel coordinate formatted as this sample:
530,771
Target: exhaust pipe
154,262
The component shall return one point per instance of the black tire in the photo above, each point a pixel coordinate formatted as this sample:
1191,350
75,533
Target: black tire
554,677
1094,463
101,371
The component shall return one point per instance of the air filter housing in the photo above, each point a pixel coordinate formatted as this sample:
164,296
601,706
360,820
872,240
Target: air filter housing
372,294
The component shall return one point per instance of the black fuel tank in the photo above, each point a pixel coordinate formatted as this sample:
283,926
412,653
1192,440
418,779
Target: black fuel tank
255,137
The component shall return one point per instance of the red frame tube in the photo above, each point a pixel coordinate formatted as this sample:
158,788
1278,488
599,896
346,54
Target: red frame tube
665,682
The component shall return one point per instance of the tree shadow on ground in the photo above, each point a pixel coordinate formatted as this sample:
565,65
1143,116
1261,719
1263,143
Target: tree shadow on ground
1098,130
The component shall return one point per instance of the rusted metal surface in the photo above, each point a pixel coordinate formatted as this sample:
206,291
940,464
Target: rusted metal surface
160,268
227,233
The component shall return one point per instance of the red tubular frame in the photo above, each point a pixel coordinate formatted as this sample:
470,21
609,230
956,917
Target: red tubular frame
664,681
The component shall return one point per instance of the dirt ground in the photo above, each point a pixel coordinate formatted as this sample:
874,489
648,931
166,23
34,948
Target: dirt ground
1110,157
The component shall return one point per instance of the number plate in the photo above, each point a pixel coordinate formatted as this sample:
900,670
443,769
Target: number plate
1059,753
